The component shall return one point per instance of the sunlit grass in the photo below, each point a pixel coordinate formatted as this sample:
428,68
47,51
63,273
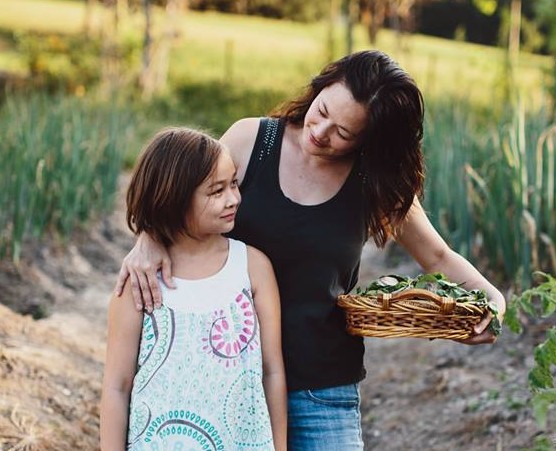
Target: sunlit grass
42,15
282,55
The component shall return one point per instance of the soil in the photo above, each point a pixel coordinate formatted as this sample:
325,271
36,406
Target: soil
418,394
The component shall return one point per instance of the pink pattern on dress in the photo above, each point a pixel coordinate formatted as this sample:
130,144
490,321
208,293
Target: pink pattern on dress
228,337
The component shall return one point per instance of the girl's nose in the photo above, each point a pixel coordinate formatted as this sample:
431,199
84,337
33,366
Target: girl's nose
233,198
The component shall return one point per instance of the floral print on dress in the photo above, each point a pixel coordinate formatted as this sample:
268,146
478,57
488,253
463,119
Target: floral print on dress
230,334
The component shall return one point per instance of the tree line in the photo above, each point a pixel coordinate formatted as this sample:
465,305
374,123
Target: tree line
486,22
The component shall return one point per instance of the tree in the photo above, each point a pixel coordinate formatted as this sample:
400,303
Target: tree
156,47
400,13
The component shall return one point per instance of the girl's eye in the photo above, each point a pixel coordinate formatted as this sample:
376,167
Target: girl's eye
217,192
234,183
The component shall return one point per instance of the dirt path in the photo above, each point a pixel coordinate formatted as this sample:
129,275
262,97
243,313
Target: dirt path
419,394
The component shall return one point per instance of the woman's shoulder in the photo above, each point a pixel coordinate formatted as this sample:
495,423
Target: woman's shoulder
240,139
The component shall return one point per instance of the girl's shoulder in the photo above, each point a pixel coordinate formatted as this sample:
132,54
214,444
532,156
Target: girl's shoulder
254,255
258,264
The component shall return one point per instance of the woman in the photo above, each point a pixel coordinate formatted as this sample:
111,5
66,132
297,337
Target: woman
338,165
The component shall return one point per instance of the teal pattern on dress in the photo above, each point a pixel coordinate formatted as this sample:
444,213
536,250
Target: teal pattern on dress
198,384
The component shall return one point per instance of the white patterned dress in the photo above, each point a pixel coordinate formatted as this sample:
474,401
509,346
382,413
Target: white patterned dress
199,380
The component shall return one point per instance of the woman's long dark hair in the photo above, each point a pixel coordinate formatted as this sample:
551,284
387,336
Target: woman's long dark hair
391,156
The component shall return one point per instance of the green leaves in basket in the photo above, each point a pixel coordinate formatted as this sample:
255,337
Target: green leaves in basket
436,283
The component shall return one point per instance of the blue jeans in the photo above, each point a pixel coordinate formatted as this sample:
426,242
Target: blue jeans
326,419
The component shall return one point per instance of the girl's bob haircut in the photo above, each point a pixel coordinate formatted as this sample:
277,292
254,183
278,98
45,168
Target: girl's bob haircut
171,167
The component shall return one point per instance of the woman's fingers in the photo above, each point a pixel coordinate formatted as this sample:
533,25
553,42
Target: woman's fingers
483,324
167,273
482,334
485,337
122,277
140,291
153,290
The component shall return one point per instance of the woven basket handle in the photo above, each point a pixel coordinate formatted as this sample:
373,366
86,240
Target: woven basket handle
446,304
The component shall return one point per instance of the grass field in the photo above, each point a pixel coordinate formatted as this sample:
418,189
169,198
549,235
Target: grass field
263,53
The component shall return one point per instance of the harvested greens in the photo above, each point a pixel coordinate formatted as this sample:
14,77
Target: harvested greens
436,283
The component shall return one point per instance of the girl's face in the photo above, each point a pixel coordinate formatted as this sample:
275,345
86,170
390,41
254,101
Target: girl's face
214,203
334,123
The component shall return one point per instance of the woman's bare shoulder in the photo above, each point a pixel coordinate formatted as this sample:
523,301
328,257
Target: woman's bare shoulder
240,139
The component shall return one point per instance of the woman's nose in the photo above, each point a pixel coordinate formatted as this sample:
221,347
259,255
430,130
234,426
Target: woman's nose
321,131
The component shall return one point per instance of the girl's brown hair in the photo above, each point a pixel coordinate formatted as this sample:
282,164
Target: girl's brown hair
171,167
391,157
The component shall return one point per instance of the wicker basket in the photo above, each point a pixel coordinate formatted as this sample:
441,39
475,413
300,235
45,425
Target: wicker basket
412,312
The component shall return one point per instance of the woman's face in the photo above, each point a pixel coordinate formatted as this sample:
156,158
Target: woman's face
334,123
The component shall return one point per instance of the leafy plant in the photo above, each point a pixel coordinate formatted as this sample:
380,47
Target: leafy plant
538,302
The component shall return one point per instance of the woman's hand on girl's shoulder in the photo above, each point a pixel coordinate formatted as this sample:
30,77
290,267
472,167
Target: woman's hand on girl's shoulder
141,265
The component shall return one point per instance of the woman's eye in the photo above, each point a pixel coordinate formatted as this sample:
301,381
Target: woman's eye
345,138
321,112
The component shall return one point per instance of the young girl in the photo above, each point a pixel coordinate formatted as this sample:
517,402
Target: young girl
204,372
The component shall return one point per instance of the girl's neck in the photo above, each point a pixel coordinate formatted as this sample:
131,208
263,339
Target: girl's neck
198,258
198,245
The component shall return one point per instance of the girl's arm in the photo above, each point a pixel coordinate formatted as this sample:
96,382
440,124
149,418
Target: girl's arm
267,306
124,332
422,241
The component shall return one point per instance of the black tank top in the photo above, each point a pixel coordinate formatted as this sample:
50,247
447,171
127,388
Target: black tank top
315,251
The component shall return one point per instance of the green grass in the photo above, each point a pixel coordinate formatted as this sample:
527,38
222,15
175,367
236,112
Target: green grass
280,55
61,158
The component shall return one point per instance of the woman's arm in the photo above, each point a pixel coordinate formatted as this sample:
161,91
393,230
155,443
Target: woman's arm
422,241
267,306
124,332
239,139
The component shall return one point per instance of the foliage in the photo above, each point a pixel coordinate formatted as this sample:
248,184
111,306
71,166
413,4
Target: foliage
546,14
72,63
487,7
491,188
297,10
539,302
61,158
56,61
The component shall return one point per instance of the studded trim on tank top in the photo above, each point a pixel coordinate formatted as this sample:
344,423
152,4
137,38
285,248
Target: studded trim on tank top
269,138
